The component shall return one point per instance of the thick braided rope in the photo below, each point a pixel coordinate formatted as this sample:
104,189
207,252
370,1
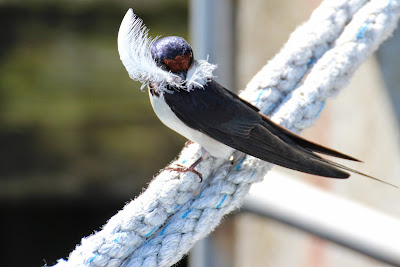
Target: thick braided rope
164,222
305,46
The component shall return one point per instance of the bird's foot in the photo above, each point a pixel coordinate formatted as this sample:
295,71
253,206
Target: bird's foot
183,169
189,142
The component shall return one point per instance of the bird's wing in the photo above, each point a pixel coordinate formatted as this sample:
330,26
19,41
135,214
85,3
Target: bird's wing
225,117
292,137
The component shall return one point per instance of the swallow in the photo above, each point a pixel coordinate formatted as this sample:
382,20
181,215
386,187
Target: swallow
186,99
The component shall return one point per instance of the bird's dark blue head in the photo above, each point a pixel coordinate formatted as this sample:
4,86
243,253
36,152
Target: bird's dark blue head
173,54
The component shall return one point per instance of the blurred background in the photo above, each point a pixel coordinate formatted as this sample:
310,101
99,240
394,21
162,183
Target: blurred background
79,138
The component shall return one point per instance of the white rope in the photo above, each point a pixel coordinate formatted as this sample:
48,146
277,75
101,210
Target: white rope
165,221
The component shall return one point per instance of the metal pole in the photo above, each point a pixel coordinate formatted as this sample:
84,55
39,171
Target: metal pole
328,216
212,30
212,27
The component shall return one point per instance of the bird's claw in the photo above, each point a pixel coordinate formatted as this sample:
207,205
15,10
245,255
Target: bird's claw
189,142
183,169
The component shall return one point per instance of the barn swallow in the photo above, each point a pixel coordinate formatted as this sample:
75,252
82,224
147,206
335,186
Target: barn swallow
186,99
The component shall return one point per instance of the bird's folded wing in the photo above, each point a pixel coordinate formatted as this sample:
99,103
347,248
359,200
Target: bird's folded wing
223,116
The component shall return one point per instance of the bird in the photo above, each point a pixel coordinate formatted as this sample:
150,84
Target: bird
187,99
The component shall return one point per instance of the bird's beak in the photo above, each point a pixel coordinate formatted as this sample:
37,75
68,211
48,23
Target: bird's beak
183,74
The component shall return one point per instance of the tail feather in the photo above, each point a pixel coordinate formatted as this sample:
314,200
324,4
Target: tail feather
343,167
305,144
309,148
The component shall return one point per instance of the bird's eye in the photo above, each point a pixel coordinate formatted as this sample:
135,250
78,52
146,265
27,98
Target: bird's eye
162,64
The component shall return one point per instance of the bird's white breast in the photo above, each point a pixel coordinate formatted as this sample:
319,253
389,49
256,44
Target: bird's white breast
168,117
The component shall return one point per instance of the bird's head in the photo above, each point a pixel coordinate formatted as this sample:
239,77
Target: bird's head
173,54
165,61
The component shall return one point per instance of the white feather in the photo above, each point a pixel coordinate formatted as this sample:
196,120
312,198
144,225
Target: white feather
199,74
134,49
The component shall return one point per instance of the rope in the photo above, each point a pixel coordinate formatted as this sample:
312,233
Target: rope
165,221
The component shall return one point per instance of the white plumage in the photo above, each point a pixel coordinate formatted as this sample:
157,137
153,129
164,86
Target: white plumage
168,117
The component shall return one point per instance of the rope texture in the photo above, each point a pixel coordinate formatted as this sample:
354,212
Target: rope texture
165,221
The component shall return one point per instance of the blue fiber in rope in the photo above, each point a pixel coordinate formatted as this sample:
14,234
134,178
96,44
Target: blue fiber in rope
240,164
362,30
320,109
117,238
222,201
186,214
184,161
312,61
201,192
95,256
163,230
150,232
259,95
251,176
148,240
